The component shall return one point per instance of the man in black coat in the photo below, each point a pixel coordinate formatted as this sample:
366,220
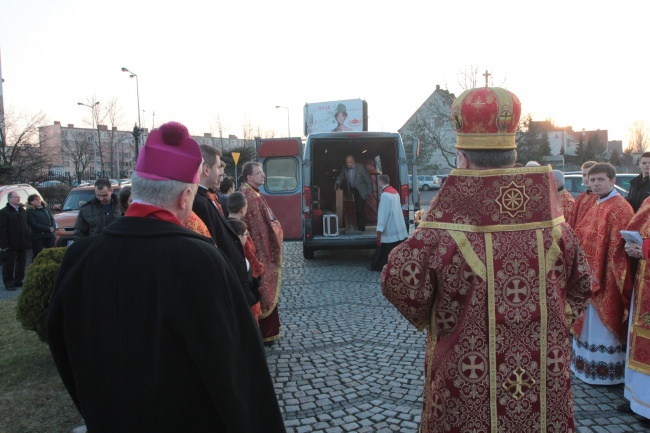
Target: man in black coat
165,341
99,212
206,207
640,185
14,239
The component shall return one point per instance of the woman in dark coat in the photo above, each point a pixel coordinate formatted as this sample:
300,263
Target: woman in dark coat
41,223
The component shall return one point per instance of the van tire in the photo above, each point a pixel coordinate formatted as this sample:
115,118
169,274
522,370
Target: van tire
307,253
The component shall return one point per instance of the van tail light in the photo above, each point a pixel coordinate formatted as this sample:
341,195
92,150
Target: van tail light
306,192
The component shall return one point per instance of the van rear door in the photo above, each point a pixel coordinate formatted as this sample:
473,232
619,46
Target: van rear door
281,160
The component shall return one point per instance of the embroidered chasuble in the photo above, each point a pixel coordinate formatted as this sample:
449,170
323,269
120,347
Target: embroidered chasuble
599,234
639,332
488,273
266,233
567,202
583,203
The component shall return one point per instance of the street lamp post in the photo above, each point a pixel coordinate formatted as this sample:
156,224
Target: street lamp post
288,123
92,113
137,90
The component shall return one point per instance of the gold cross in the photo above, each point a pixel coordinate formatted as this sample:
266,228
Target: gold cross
520,383
486,75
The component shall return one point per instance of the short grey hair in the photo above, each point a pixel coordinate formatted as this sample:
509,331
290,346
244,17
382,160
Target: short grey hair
491,158
161,193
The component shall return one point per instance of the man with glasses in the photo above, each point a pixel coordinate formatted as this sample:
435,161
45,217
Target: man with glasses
266,233
206,207
14,239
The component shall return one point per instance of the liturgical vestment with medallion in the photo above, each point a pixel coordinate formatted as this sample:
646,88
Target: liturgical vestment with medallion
487,274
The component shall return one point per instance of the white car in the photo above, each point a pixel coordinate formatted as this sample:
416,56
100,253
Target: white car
425,182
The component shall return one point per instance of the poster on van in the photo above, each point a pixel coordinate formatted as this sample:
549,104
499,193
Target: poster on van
336,116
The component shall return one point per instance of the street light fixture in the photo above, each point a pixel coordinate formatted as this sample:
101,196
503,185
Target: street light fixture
136,131
92,113
288,124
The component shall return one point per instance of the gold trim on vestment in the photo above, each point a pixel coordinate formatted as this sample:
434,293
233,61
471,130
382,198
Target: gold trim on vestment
638,330
492,228
499,171
499,141
554,251
543,260
489,261
469,254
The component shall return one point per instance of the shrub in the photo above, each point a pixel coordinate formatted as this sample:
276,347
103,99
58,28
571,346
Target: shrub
37,290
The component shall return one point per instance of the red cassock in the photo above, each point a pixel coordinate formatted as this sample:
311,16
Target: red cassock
266,233
488,273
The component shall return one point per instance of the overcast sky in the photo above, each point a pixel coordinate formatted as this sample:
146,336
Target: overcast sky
580,63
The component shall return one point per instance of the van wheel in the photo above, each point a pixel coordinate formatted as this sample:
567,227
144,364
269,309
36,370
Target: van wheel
425,187
307,253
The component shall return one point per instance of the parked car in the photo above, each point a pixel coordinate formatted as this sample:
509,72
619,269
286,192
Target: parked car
425,182
50,183
124,181
22,189
67,216
573,183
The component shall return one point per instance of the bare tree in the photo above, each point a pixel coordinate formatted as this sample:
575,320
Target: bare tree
469,78
433,125
248,130
638,137
220,127
21,157
78,148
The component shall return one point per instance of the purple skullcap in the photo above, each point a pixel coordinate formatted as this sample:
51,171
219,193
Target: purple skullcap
170,154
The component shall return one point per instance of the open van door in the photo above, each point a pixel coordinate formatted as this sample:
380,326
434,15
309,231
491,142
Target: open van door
281,160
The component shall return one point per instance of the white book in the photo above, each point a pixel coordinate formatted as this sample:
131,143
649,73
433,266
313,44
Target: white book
632,237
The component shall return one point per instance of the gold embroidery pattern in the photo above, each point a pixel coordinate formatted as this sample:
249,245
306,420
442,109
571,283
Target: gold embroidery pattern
513,199
519,382
645,318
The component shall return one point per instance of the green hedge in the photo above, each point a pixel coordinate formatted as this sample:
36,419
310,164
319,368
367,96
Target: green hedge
37,290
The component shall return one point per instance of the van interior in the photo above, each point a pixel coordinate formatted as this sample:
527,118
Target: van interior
378,155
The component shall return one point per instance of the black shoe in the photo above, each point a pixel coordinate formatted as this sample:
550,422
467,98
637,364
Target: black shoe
644,421
18,284
269,343
10,288
625,408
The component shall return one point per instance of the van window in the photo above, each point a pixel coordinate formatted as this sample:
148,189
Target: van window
281,174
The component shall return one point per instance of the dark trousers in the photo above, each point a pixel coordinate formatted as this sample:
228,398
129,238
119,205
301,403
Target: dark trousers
380,257
39,244
359,209
13,270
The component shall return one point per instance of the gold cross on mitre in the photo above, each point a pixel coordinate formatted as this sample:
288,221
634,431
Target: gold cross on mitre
486,75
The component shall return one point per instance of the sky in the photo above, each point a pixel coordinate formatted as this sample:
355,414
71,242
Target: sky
583,64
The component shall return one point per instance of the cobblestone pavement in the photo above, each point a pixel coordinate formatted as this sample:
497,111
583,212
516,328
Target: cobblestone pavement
348,362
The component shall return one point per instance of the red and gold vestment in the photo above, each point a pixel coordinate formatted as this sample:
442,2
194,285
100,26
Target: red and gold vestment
600,237
487,273
583,203
266,233
639,350
567,202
